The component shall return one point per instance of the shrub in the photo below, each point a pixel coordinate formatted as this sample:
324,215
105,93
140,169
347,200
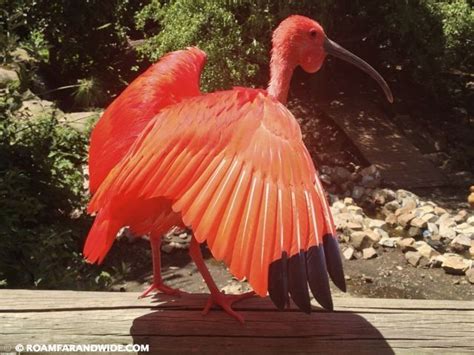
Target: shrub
42,195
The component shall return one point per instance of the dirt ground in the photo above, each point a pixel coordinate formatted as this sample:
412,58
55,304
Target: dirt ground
387,276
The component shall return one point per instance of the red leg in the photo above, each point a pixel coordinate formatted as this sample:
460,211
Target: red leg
158,285
216,297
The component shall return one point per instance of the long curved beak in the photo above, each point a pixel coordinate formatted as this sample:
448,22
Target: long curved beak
337,51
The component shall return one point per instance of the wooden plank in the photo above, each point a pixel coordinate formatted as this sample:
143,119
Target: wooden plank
380,142
170,325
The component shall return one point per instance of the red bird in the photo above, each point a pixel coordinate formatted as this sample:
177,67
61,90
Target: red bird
231,165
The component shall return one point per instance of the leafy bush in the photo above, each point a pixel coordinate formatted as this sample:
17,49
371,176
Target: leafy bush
42,195
82,39
232,57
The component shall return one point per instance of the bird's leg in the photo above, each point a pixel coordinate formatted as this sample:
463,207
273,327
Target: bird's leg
216,297
158,285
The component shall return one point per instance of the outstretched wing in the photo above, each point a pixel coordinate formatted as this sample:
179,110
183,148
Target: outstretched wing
235,167
173,78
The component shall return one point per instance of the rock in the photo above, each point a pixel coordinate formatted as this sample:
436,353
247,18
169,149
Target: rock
407,244
470,221
425,209
413,257
369,253
471,251
364,239
377,223
405,218
392,206
426,234
436,244
355,226
470,275
369,171
389,242
35,107
401,194
465,229
455,264
446,226
381,233
357,192
418,222
408,204
384,196
398,231
7,76
414,232
341,220
355,210
424,263
433,228
440,211
429,218
348,253
391,220
325,179
425,250
461,243
340,174
348,201
370,181
338,205
437,261
461,216
80,121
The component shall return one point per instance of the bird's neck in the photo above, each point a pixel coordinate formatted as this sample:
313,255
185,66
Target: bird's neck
281,71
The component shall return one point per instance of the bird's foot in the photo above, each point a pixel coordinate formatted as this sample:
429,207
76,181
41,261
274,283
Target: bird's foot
226,302
161,287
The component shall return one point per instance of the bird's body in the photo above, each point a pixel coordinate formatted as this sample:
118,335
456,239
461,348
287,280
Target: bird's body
123,121
232,166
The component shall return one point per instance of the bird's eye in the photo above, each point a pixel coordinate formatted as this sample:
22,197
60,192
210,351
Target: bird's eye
313,33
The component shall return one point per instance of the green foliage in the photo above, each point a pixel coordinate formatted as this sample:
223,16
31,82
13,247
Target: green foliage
75,40
428,38
233,54
89,93
458,29
42,196
12,19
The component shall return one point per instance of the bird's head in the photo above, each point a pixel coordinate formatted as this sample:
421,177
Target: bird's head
302,41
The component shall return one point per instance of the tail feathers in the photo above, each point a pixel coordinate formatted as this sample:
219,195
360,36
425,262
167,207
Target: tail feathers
101,237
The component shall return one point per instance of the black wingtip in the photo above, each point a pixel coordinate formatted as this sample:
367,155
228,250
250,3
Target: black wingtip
333,261
278,281
318,276
298,282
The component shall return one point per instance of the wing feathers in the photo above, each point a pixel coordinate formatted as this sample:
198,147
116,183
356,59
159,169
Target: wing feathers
245,183
226,234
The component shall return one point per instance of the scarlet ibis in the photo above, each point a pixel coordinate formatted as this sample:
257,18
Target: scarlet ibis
231,165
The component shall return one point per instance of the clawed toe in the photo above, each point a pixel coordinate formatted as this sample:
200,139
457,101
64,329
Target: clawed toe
226,302
161,288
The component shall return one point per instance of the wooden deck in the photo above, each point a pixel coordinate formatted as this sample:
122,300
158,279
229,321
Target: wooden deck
380,142
367,326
